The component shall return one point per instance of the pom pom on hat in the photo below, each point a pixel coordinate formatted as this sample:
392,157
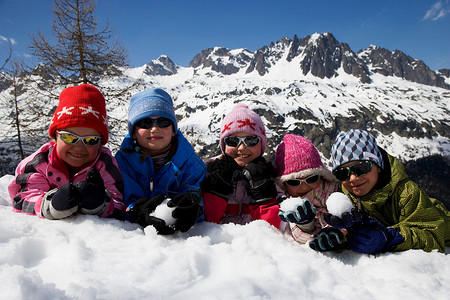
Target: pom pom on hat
153,102
80,106
355,145
242,119
297,157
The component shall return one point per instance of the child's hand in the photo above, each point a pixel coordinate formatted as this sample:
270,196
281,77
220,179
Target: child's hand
221,175
347,219
259,174
188,208
328,239
372,237
143,207
61,203
95,199
302,213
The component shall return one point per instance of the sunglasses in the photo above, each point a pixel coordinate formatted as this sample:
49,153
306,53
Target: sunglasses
309,180
249,141
359,169
72,138
147,123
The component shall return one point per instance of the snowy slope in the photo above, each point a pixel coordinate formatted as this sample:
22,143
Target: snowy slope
86,257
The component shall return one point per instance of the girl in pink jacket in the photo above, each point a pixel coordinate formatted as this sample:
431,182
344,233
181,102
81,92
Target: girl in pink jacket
73,173
301,174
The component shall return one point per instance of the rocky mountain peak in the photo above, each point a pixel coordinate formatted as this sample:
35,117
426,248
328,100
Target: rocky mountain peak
163,65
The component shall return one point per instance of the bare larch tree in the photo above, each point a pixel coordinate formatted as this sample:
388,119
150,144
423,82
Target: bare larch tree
82,52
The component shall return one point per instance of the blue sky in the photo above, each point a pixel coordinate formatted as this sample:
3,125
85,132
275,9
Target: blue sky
182,28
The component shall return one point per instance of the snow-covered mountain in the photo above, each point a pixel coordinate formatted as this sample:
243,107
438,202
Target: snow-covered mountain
314,86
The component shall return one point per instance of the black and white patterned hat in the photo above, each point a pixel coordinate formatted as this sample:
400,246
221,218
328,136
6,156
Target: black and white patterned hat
354,145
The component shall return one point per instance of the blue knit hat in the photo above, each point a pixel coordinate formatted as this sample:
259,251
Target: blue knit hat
153,102
354,145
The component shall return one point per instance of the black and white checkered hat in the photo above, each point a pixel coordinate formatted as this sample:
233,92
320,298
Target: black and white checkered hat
354,145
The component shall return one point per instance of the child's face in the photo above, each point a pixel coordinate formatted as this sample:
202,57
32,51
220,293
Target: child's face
78,155
361,185
154,139
303,188
242,154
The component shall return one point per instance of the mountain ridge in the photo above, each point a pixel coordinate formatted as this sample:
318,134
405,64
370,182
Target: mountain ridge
409,119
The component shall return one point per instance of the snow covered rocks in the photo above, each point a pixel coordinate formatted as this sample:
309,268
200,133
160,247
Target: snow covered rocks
164,212
291,204
338,203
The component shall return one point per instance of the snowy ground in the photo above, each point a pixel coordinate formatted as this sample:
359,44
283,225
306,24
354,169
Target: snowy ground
86,257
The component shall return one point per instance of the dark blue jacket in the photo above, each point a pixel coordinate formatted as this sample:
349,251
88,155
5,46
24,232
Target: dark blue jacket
183,173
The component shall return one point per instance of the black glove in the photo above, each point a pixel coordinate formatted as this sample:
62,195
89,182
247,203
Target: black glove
328,239
220,176
347,219
259,174
95,200
143,207
61,203
188,208
303,213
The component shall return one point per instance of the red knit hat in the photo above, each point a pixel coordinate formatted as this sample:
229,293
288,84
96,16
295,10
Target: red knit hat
81,106
296,157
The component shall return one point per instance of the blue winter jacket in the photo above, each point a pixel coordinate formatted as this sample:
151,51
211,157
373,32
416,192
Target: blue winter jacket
183,173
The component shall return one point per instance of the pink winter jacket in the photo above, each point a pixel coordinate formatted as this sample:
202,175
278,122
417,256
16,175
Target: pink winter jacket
43,171
318,198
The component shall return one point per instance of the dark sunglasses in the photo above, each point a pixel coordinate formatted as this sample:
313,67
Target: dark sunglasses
359,169
249,141
72,138
309,180
147,123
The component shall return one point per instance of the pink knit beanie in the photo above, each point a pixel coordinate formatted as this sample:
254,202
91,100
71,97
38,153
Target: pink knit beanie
242,119
296,157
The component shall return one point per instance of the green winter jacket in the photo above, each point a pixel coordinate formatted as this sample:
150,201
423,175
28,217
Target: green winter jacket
398,202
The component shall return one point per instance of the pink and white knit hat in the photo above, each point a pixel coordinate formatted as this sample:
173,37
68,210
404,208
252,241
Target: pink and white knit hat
296,157
242,119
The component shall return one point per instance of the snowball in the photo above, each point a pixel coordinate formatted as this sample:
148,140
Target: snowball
290,203
338,203
164,212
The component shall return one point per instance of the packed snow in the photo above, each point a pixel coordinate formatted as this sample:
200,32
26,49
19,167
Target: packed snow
85,257
291,203
338,203
164,212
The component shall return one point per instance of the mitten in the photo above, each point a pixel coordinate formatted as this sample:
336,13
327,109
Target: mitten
347,219
328,239
95,199
142,208
188,208
220,176
61,203
303,213
259,174
372,237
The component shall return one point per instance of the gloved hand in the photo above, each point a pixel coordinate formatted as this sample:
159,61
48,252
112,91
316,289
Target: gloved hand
220,176
347,219
303,213
95,199
259,174
61,203
188,208
371,236
328,239
143,207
